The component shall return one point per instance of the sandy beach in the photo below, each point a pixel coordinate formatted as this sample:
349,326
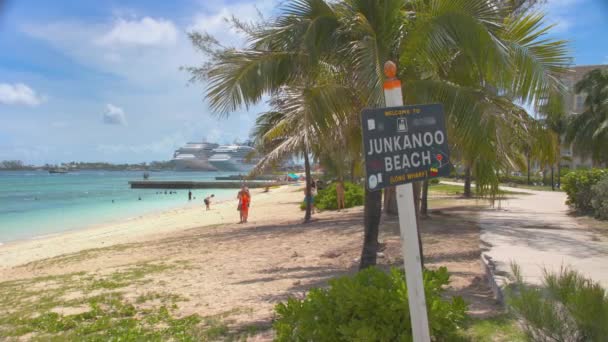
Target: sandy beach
151,226
204,264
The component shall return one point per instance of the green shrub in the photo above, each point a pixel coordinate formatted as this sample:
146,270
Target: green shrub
369,306
599,198
578,184
568,307
327,198
434,181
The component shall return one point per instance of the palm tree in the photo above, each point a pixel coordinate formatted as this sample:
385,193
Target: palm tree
300,118
556,120
474,56
588,131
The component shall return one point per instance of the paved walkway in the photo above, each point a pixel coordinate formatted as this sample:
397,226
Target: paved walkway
536,232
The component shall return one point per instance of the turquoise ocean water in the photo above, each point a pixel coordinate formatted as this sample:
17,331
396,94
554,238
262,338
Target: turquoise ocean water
36,203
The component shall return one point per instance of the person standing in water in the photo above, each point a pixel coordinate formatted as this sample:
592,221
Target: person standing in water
207,201
189,195
244,202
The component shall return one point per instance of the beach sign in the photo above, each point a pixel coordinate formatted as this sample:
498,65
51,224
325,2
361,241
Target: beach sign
404,144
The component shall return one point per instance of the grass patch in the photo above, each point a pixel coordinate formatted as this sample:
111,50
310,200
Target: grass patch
503,328
445,189
29,309
455,190
80,256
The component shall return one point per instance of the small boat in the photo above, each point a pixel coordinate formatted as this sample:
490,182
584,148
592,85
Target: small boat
58,171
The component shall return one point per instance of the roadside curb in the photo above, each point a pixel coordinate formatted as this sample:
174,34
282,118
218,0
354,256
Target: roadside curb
492,278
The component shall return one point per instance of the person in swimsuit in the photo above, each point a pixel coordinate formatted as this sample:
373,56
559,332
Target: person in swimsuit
207,201
244,202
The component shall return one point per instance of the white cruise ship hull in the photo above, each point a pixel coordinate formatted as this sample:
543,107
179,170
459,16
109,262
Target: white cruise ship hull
193,165
231,165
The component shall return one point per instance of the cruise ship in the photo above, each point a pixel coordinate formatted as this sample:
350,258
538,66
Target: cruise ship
194,156
233,158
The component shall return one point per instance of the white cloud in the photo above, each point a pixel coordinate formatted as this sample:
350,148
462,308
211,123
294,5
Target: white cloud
144,32
19,94
216,21
114,115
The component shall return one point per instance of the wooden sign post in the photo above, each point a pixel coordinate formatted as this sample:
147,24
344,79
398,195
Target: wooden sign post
404,144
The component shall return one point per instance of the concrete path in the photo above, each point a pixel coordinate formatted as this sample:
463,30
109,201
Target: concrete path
536,232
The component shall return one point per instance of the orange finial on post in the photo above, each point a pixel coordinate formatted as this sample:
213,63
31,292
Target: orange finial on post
390,69
391,82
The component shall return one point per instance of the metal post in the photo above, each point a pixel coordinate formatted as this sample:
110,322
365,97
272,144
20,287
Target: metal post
408,227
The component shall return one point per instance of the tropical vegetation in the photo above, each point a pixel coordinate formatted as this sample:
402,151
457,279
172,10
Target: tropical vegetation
327,199
588,131
579,186
567,307
318,63
372,305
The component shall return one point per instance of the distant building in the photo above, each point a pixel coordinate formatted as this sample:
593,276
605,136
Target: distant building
575,104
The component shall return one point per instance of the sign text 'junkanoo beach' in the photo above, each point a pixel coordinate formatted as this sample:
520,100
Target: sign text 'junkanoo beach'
404,144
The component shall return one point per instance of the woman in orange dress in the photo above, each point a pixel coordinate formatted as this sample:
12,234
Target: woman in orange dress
244,202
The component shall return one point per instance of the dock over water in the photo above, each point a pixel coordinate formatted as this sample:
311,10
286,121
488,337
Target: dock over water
148,184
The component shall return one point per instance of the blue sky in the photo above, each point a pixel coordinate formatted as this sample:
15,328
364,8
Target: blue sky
100,80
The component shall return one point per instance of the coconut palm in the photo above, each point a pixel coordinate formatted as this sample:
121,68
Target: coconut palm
588,131
474,56
301,117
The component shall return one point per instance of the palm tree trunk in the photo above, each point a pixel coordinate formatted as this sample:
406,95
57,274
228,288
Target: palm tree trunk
528,159
390,201
559,166
559,175
308,189
372,212
424,206
467,181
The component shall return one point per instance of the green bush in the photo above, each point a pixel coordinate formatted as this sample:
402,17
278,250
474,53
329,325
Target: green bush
599,198
369,306
578,184
327,198
568,307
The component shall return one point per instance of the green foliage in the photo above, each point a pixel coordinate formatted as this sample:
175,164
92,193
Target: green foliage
568,307
599,198
30,310
494,329
578,184
369,306
327,199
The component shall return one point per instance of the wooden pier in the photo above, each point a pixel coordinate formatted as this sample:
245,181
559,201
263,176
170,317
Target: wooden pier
148,184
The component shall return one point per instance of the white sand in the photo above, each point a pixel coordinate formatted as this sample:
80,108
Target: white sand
150,226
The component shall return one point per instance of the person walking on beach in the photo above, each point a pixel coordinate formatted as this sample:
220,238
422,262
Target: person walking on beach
340,194
244,202
207,201
189,195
